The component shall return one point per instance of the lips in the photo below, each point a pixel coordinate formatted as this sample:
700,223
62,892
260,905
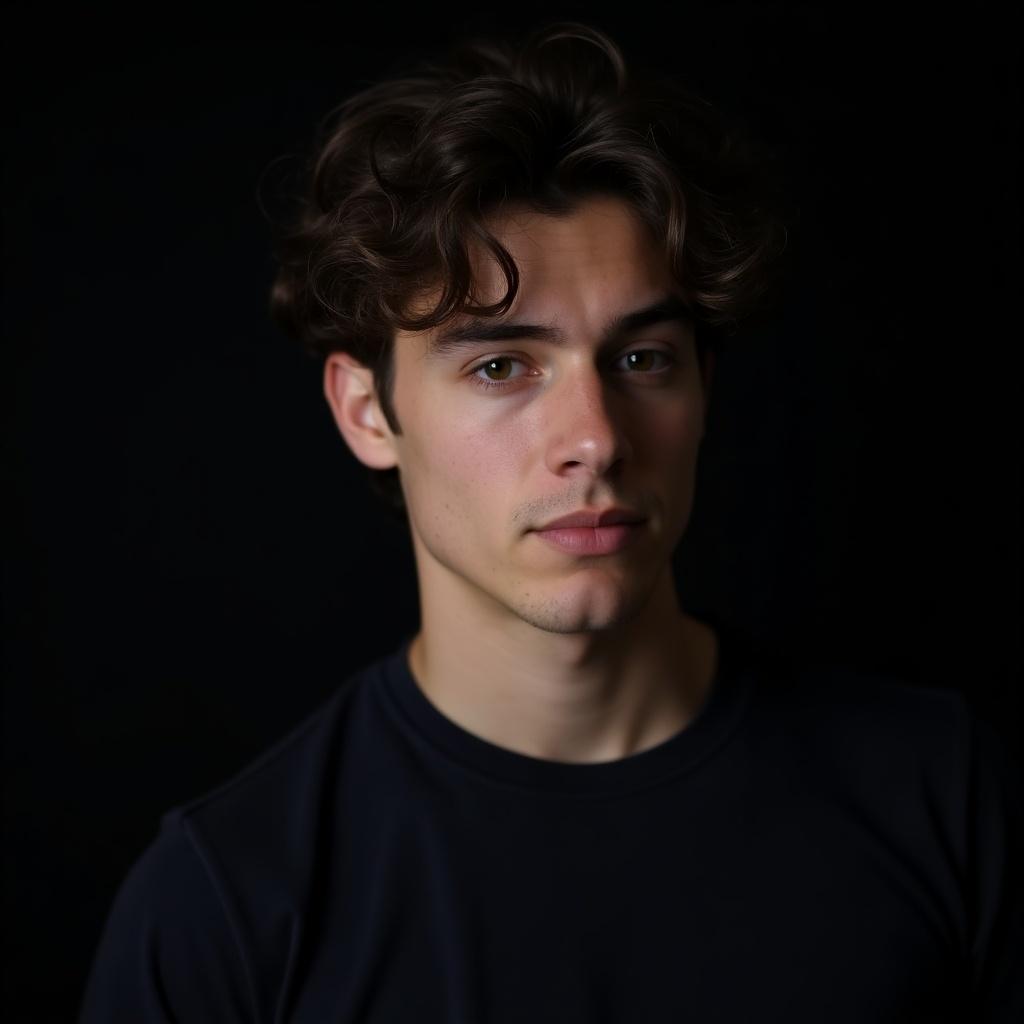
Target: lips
593,519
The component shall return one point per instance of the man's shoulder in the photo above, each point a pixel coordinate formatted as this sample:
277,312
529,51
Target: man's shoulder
207,908
876,734
835,699
275,792
170,937
263,824
828,696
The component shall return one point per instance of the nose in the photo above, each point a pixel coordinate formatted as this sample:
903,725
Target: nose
585,428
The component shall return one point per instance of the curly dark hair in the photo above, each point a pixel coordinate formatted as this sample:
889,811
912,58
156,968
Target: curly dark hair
408,171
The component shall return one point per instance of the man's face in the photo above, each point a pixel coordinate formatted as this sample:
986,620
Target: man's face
585,418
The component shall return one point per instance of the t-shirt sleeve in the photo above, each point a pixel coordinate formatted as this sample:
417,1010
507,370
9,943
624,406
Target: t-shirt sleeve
168,952
996,849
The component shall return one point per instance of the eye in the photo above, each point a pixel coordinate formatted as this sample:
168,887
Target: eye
638,360
642,359
489,364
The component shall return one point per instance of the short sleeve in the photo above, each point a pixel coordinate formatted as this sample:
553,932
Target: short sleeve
996,845
168,952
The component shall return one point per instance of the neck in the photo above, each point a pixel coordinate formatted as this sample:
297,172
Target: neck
578,697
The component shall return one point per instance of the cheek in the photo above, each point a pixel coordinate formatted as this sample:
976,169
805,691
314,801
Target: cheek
485,466
457,472
674,434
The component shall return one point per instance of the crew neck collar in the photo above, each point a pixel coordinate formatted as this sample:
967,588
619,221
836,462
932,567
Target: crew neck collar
710,728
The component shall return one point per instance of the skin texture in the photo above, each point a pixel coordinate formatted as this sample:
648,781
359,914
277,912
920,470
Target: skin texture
554,655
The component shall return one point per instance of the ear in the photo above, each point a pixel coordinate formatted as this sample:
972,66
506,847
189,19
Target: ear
350,392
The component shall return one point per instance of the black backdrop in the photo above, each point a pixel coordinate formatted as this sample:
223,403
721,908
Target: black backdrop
195,560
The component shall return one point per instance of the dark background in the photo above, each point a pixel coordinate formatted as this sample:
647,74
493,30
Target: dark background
195,560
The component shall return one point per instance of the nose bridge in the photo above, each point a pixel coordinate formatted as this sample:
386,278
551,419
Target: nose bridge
585,427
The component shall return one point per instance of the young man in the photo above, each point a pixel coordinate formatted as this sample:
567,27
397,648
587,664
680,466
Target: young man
564,798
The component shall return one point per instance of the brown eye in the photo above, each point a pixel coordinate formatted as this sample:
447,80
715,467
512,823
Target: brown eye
497,362
641,359
481,375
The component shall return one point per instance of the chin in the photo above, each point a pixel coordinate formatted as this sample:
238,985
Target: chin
583,613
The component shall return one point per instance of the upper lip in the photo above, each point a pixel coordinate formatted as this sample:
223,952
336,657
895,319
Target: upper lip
597,517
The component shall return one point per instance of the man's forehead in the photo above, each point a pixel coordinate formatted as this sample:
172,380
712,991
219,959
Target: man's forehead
522,218
596,234
598,262
467,332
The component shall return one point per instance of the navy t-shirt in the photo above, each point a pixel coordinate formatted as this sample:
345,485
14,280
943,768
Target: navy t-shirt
818,845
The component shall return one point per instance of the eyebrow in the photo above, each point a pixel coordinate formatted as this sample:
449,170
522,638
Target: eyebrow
479,331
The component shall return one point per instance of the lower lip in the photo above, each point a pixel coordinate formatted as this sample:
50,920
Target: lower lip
591,540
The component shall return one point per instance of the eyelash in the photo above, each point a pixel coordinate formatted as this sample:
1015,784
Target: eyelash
490,385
